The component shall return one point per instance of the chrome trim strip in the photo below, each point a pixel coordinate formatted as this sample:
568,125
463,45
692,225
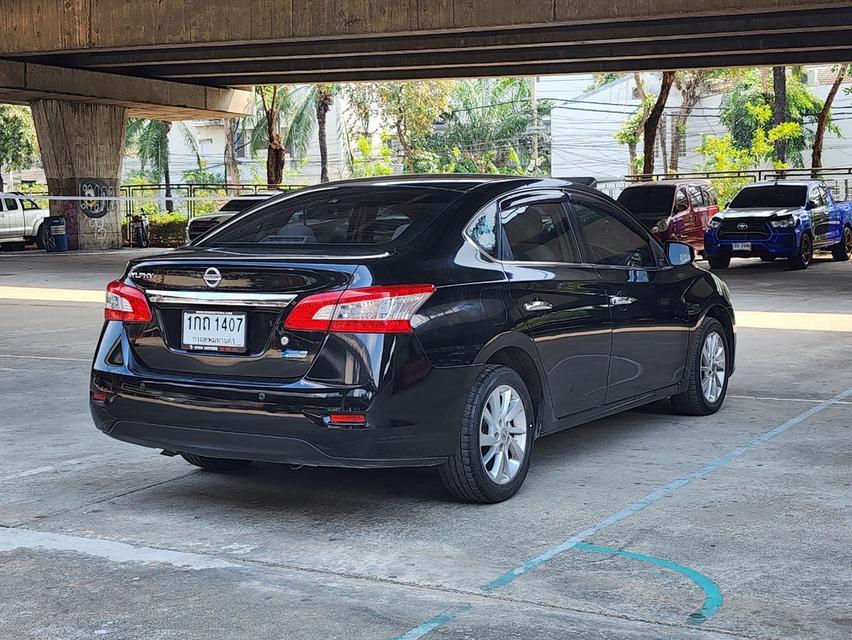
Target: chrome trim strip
221,298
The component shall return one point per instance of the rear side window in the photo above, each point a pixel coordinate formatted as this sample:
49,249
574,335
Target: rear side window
362,215
611,241
483,230
710,197
538,233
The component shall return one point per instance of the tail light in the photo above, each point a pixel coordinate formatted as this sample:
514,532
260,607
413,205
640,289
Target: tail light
369,310
126,303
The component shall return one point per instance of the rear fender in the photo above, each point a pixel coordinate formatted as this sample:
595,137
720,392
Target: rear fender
517,340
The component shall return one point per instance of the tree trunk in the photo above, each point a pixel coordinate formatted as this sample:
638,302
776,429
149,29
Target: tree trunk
2,185
664,151
689,98
631,155
822,121
323,105
275,161
653,121
232,169
167,178
779,110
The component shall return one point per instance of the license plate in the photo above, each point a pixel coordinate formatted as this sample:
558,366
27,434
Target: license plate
214,331
742,246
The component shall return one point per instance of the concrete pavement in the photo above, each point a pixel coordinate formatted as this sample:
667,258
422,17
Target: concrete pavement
100,538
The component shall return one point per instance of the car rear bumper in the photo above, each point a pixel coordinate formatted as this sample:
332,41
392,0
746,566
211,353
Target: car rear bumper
411,422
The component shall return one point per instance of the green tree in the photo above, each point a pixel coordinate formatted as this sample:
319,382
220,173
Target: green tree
150,140
489,129
632,129
18,147
724,154
652,122
752,90
284,122
411,109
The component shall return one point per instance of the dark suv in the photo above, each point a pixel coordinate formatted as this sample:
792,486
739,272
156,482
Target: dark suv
408,321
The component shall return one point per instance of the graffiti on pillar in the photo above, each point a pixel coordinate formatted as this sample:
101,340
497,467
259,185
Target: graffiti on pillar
94,189
99,221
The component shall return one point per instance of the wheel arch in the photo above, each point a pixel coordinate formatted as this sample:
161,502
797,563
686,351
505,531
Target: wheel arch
518,351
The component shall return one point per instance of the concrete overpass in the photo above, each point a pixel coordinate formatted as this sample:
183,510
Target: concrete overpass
87,64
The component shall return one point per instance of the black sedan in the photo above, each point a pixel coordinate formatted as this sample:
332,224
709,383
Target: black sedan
442,321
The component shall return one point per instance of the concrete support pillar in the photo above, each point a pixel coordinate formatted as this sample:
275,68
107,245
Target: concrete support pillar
82,145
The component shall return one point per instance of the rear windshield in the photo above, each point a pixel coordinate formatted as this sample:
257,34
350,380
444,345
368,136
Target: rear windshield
770,196
338,216
648,200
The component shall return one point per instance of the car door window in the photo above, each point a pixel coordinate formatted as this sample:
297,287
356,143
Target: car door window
11,204
710,197
696,197
681,202
817,197
610,239
538,232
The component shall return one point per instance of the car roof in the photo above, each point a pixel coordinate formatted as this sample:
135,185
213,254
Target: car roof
784,182
670,183
461,182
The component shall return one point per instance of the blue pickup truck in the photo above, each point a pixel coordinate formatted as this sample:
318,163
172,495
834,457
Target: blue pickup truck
780,219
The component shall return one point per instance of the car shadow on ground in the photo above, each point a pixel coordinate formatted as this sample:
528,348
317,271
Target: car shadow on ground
311,490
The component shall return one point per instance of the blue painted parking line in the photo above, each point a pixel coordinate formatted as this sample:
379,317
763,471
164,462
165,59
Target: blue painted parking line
712,594
433,623
610,521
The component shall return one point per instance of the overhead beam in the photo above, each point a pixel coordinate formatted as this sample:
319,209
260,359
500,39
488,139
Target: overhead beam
637,32
22,82
66,25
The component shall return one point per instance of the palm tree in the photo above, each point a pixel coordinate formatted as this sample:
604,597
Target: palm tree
150,138
491,128
289,117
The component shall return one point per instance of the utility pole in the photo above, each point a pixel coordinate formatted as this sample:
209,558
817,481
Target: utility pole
534,107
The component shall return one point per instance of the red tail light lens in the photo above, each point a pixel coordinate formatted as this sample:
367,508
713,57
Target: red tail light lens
369,310
126,303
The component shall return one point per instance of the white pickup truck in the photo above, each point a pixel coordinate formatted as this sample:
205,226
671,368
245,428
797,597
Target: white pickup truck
22,221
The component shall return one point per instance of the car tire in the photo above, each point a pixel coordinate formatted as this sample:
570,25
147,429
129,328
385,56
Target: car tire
215,465
472,473
842,251
702,372
803,258
719,262
41,237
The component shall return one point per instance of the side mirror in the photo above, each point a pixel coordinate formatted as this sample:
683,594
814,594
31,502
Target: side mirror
679,254
812,204
680,207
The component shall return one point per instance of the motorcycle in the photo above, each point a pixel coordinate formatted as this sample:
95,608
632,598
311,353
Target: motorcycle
140,231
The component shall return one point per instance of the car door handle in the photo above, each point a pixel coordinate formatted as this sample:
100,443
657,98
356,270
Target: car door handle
622,301
538,305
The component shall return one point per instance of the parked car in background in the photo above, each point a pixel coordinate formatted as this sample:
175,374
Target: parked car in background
673,209
441,321
781,219
199,225
22,221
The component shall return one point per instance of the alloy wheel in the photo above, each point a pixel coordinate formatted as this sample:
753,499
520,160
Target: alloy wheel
713,367
807,250
503,434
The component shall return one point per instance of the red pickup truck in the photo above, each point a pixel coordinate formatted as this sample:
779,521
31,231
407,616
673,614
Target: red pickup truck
673,209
